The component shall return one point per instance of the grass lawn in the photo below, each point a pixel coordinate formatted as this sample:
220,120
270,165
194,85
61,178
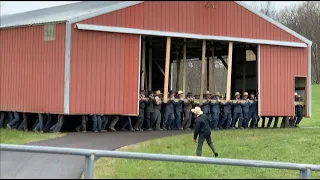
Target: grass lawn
21,137
284,145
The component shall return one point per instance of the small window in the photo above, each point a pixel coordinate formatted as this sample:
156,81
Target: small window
49,32
250,56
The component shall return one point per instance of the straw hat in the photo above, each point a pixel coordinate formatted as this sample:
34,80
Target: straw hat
158,92
217,94
237,94
296,94
245,94
180,92
197,111
299,96
207,92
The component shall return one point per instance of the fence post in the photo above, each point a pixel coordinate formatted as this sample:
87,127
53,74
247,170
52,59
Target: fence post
89,163
305,174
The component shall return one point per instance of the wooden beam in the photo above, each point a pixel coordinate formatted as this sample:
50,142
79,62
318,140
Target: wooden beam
244,76
228,94
223,62
150,66
158,65
184,67
167,69
202,70
208,71
143,64
178,71
213,68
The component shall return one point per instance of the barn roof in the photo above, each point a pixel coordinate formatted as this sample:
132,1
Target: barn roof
76,12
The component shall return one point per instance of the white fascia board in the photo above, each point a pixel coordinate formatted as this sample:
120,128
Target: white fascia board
90,27
270,20
104,11
309,80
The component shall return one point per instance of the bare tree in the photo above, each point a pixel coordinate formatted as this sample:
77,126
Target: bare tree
265,7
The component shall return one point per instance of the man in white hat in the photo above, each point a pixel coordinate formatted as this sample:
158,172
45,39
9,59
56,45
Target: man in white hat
245,110
237,112
187,112
157,102
215,111
298,113
202,129
178,109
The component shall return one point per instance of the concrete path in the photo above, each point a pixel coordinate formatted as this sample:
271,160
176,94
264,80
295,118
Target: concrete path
30,165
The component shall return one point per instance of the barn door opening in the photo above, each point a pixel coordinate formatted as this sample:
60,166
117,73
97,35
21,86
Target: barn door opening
300,88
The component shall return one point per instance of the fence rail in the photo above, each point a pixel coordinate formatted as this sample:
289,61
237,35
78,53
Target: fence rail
90,154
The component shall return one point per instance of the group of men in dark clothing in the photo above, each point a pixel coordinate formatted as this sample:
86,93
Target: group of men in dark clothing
175,114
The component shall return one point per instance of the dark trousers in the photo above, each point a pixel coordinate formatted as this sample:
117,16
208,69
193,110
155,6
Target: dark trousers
177,120
104,122
2,116
113,122
246,119
200,144
226,118
83,124
215,118
253,117
298,118
168,120
48,123
187,119
149,120
127,123
24,123
39,126
156,119
140,120
16,120
57,127
235,118
96,120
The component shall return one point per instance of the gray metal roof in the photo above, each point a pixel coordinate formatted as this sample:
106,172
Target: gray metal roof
55,14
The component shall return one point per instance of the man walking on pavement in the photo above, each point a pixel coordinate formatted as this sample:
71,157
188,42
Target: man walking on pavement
202,129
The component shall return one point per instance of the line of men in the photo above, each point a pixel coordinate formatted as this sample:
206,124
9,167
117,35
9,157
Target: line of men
174,115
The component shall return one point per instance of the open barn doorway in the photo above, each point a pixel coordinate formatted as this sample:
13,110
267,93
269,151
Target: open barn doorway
189,52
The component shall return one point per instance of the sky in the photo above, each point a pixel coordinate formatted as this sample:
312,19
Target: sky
12,7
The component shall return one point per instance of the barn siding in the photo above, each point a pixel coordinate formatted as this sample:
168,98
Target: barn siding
32,70
278,67
226,19
104,73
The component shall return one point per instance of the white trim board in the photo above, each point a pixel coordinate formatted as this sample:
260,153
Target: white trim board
67,69
309,80
90,27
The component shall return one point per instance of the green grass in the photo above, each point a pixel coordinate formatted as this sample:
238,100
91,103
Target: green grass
21,137
284,145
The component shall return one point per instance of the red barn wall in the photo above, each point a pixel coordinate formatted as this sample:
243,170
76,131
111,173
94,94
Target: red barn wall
104,73
32,70
227,18
278,67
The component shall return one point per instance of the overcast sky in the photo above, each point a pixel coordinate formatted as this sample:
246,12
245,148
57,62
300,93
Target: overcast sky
12,7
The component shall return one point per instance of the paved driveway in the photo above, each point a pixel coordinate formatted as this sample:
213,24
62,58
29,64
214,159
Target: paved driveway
31,165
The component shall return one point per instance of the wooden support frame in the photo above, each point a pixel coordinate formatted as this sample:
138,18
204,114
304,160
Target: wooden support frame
223,62
213,68
143,64
167,69
208,72
203,61
244,75
178,70
184,67
230,51
150,66
158,65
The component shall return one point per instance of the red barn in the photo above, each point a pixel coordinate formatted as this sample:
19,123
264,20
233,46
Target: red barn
85,58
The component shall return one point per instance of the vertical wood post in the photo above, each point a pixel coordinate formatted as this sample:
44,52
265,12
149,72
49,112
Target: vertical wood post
167,68
244,75
143,64
213,68
228,94
150,67
208,72
178,70
184,67
202,70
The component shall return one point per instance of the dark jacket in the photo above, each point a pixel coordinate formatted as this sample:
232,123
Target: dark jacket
245,107
142,104
149,105
178,106
187,106
253,106
215,107
227,107
157,106
169,106
201,127
206,107
237,107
